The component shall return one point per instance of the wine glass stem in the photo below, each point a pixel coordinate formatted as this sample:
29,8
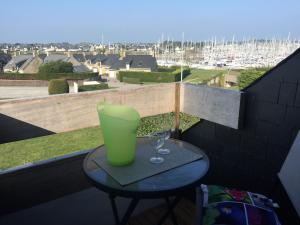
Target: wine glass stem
156,152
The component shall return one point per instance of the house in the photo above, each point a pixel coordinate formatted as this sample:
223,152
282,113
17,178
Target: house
16,63
144,63
112,63
138,63
31,63
103,64
98,63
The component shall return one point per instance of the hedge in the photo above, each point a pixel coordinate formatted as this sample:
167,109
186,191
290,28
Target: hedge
46,76
166,69
162,77
58,86
94,87
132,80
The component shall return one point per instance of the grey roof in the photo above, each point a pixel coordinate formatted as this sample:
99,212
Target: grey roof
42,56
79,57
55,57
89,57
110,60
119,64
80,69
137,61
17,61
98,58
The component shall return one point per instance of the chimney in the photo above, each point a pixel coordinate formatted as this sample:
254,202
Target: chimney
153,53
99,64
122,54
34,52
127,66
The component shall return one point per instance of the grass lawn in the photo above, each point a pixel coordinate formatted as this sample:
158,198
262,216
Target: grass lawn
200,75
40,148
31,150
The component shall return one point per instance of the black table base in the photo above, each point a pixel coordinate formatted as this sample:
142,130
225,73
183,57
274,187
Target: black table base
134,202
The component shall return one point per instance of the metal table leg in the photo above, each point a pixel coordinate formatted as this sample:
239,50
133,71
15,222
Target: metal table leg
199,209
128,212
114,208
171,206
173,216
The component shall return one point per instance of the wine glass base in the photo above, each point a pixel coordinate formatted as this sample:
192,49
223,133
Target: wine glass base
164,151
156,160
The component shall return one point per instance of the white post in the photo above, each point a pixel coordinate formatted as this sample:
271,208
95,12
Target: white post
75,87
181,74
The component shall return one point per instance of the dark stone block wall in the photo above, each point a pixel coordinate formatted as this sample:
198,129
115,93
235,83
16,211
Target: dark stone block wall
251,157
42,183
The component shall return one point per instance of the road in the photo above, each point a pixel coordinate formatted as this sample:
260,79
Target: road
23,92
10,92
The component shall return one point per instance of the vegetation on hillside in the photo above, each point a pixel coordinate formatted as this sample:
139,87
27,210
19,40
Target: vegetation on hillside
56,67
248,76
169,75
202,76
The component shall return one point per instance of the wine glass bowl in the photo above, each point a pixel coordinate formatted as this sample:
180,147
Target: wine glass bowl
157,141
166,135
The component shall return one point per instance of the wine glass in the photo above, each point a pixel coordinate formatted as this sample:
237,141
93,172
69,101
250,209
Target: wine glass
166,135
157,141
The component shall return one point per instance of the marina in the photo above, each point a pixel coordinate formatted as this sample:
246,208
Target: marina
216,53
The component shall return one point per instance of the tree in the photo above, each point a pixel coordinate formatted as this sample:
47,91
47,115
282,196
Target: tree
4,59
56,67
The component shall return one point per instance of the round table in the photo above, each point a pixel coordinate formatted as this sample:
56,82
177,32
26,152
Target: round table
171,183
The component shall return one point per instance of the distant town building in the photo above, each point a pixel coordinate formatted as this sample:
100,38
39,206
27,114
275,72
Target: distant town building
17,62
31,63
142,63
101,63
108,64
78,67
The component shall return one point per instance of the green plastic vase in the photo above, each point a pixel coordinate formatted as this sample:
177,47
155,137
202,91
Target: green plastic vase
119,125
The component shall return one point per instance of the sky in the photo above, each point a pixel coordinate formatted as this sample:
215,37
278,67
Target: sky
75,21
